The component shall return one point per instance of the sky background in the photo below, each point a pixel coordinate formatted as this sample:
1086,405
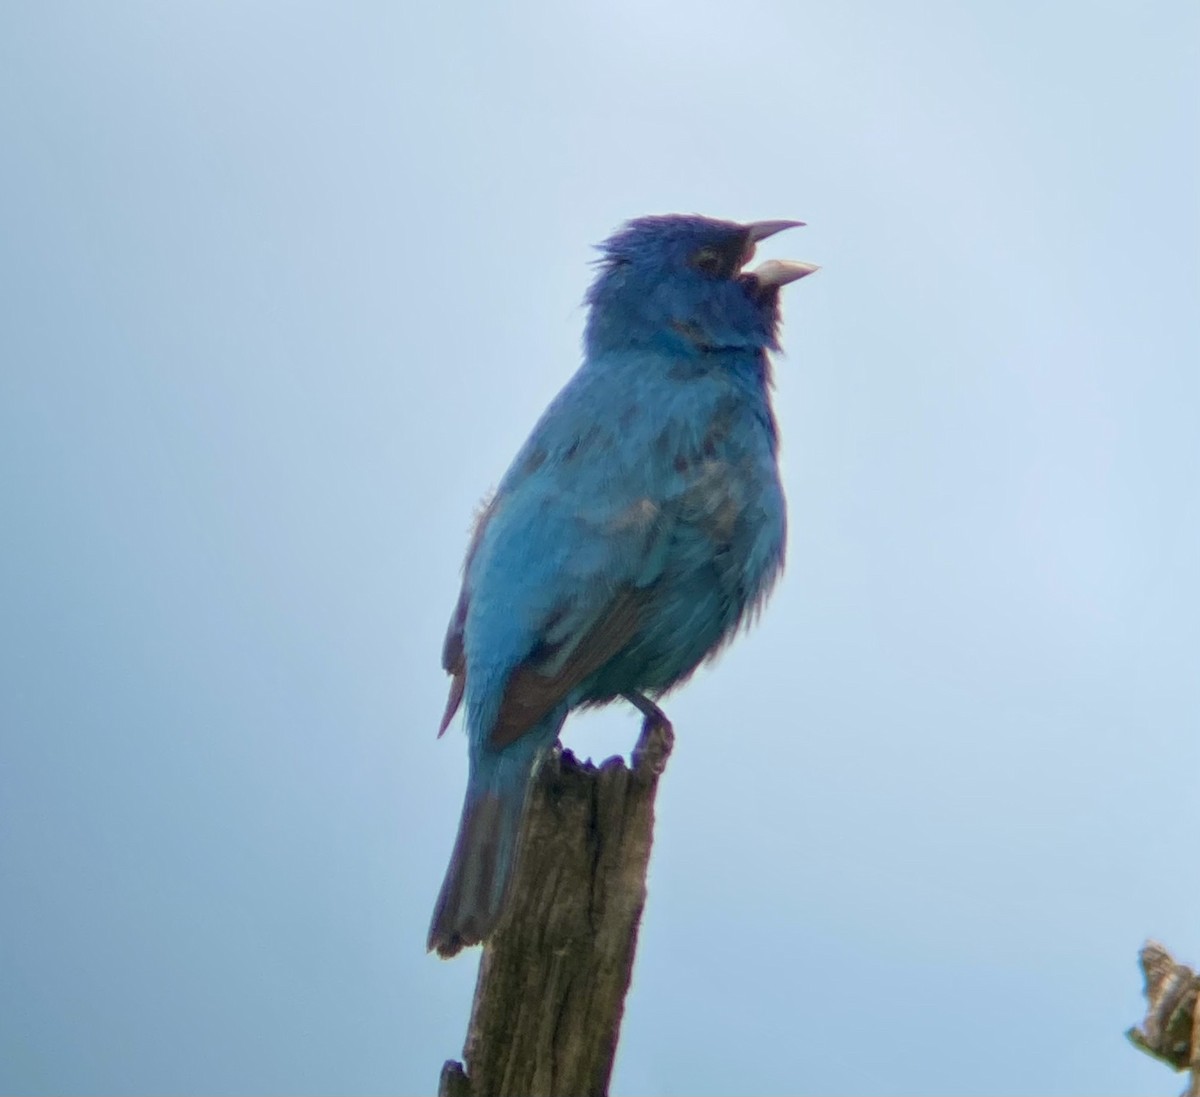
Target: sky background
282,289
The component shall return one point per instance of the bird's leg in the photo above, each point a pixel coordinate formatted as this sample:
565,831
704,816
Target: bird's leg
657,738
647,708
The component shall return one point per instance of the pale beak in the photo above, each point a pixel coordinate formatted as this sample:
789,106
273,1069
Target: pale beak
779,272
760,230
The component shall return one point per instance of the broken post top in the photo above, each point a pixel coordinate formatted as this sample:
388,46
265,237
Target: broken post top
553,977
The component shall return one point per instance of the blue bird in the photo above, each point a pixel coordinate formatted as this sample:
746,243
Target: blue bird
642,522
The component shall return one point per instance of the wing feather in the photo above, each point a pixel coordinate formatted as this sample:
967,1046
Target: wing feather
541,683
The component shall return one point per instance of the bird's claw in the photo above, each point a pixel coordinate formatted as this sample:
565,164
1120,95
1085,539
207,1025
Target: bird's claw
654,745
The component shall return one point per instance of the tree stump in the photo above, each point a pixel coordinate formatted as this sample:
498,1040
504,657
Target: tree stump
553,978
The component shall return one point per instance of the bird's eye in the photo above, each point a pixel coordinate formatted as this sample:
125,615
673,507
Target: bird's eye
708,261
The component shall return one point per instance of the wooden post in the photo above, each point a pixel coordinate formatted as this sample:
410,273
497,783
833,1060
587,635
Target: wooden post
1171,1030
553,978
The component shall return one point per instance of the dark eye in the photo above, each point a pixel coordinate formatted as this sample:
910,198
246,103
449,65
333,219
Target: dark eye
708,261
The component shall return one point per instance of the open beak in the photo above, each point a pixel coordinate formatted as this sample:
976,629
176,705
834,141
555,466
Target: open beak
774,272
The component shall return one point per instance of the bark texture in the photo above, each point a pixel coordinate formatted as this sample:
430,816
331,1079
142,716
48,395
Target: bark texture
1171,1029
553,978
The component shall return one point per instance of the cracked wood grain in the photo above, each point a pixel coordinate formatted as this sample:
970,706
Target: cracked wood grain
553,978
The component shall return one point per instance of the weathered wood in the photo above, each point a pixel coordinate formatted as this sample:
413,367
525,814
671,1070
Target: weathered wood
553,978
1171,1030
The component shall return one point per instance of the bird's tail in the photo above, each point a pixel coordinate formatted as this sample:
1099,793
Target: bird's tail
472,897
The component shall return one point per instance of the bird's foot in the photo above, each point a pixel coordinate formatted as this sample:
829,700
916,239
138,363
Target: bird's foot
658,737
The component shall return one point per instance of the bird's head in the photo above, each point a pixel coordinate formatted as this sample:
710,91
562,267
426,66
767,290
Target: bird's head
680,284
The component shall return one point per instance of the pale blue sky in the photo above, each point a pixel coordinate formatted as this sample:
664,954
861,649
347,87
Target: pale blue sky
283,288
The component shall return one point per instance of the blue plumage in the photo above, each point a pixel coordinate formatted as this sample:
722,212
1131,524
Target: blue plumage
640,524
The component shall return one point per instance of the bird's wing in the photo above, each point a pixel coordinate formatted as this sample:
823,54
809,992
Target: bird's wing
557,590
543,681
547,676
556,576
454,661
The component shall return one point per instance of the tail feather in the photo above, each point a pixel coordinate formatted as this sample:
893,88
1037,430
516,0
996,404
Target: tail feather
472,897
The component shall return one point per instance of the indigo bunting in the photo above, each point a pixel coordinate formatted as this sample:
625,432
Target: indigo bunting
642,522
